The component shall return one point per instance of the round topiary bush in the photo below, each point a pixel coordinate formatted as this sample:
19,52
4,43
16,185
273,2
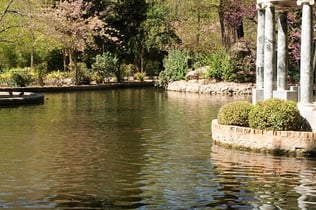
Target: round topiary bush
234,113
275,114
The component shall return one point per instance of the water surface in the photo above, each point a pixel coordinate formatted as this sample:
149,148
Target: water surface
138,149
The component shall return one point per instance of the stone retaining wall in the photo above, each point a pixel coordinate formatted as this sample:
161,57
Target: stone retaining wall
212,88
264,140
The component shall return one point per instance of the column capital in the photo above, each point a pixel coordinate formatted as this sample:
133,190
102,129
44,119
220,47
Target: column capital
263,5
301,2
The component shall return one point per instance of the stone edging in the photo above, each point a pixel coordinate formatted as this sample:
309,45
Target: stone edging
281,142
68,88
17,98
212,88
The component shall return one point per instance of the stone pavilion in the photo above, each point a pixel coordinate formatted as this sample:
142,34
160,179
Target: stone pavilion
272,55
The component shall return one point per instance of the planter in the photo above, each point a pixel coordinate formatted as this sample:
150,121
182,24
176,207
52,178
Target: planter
279,142
20,98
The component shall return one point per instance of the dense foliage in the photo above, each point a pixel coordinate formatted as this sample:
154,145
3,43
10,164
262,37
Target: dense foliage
176,65
141,34
235,113
221,67
275,114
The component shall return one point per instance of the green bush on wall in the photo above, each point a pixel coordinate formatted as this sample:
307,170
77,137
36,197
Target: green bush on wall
275,114
234,113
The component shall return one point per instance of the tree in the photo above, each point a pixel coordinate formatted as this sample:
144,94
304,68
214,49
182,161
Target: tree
159,36
231,16
20,31
74,28
108,64
126,24
196,23
5,10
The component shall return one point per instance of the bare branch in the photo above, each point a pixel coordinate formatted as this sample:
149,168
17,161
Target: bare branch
17,12
6,10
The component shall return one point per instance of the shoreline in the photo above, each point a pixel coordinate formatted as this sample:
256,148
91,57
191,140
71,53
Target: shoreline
68,88
190,86
211,88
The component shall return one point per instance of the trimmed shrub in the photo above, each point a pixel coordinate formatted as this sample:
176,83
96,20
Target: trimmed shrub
275,114
234,113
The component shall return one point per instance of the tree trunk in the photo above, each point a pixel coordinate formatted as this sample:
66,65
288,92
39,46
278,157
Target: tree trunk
230,31
76,68
73,64
240,30
198,29
142,54
222,22
65,59
314,61
32,50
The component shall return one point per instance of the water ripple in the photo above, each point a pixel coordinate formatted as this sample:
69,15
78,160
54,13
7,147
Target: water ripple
138,149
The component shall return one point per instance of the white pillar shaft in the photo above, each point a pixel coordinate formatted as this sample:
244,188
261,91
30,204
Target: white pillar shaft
282,60
269,52
260,50
306,75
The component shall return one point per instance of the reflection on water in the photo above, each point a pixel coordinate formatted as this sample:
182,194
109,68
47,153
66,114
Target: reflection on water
137,149
263,181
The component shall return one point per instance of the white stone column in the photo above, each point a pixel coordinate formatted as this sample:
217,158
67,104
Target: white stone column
260,49
269,51
306,71
282,58
305,105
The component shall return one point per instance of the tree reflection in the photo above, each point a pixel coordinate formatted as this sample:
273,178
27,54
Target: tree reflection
264,180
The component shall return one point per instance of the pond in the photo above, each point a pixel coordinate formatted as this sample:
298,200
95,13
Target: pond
138,149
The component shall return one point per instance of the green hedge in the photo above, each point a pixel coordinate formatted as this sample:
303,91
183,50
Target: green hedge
275,114
271,114
234,113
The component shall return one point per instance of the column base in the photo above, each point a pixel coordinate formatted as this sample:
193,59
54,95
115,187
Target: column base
308,111
257,95
286,95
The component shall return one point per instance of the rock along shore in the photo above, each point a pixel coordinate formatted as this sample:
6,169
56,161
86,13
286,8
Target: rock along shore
212,88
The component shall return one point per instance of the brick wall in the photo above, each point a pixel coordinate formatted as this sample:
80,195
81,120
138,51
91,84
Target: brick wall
264,140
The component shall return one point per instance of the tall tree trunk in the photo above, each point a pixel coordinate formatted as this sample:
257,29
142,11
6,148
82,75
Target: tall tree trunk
240,30
142,54
198,29
76,68
222,22
32,50
65,59
230,31
73,64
